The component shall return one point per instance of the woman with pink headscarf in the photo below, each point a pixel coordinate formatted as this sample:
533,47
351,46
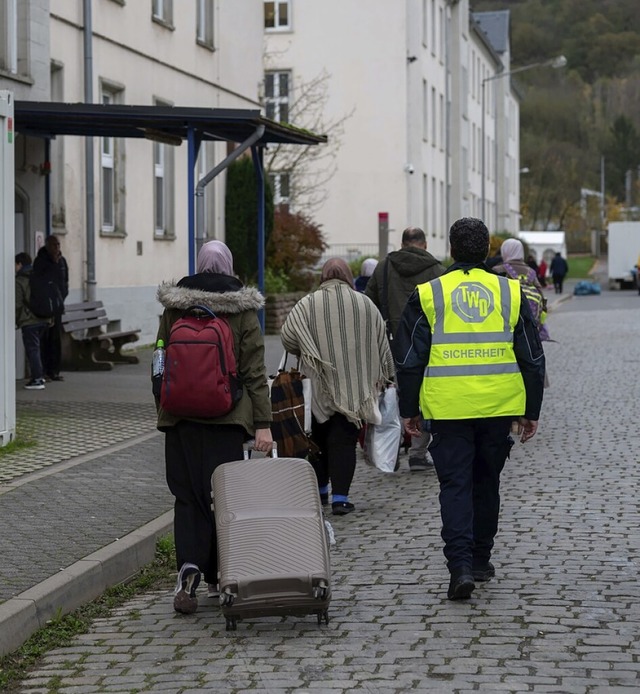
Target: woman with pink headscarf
194,447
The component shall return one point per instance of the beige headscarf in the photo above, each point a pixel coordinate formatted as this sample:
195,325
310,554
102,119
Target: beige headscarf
337,269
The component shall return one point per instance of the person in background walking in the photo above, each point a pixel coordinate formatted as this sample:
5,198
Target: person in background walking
542,273
31,326
468,357
195,447
392,283
366,270
340,338
50,262
559,269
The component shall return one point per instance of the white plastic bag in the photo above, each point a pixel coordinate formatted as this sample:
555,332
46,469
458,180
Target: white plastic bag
382,441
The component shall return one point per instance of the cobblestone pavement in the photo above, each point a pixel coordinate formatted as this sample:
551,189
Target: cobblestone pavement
561,615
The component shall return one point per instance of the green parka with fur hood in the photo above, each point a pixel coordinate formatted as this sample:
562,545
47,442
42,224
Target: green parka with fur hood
227,296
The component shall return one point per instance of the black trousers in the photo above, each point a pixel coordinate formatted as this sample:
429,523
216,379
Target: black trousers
469,455
192,452
336,461
51,347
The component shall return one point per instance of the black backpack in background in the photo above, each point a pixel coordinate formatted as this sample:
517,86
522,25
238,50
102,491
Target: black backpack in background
46,300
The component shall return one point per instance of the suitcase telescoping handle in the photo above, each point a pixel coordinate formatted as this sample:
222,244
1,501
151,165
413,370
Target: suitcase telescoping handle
248,447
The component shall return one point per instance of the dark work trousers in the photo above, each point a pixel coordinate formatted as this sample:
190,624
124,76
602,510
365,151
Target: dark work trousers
469,455
51,347
557,283
336,461
32,338
192,452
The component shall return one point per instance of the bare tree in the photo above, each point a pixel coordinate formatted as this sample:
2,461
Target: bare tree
309,168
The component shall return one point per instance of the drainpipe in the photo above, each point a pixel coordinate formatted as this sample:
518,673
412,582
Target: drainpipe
90,292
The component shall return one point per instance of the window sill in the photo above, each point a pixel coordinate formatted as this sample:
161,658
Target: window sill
167,24
25,79
208,45
278,30
168,236
116,234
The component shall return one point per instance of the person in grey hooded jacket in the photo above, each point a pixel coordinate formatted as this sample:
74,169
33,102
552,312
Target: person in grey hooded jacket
393,282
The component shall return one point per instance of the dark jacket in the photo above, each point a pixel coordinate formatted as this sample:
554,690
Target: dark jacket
559,266
412,346
227,296
58,272
24,315
408,267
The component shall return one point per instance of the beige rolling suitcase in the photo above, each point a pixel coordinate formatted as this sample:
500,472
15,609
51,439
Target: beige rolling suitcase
273,549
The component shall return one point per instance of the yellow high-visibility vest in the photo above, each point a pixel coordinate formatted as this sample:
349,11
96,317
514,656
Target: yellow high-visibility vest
472,371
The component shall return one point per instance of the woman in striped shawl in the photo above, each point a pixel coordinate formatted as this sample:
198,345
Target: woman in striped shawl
340,337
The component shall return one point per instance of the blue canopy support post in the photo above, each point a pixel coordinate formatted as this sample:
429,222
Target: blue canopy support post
257,154
47,187
193,147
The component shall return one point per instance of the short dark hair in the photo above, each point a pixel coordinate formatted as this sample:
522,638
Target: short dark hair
23,259
469,240
412,236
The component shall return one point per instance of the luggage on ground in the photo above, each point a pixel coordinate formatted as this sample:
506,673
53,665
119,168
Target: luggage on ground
273,550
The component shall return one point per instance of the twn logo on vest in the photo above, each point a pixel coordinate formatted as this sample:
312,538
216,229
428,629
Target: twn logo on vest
472,302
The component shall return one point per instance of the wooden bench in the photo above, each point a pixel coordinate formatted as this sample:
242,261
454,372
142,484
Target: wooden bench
87,341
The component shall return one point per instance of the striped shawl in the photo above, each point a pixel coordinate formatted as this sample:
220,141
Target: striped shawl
340,337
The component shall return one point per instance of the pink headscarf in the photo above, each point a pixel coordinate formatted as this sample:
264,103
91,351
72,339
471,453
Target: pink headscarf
215,256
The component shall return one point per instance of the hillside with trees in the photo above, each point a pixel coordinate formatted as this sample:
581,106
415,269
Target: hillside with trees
574,117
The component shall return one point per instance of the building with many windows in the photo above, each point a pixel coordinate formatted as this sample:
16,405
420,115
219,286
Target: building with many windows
196,53
427,127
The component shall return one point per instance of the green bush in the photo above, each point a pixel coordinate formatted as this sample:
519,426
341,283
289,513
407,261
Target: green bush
241,217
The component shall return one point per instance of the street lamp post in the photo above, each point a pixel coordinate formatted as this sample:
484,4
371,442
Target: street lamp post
558,62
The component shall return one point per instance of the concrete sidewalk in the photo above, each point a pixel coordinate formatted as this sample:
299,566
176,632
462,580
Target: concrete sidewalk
83,507
86,504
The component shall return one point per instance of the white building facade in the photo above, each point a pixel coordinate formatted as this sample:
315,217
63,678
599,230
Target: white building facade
411,86
199,53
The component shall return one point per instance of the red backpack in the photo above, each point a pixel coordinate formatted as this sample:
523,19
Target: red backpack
200,378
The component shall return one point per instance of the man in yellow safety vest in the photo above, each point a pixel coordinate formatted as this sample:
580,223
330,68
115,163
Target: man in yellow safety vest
469,358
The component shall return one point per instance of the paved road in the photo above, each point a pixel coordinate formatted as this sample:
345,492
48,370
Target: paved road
562,614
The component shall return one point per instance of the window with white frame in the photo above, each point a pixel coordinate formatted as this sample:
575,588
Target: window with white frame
425,23
425,203
442,122
434,122
432,22
111,170
277,86
202,169
163,187
277,15
281,189
434,207
162,11
9,36
107,176
425,111
204,23
56,180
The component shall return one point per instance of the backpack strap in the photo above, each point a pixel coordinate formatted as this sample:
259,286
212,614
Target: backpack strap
203,309
384,299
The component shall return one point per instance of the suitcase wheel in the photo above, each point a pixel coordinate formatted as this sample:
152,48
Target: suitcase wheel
320,592
324,615
226,599
232,623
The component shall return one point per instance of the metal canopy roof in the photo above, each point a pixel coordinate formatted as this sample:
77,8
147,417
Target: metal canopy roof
48,119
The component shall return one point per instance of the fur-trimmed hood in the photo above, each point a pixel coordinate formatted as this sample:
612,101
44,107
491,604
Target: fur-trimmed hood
172,296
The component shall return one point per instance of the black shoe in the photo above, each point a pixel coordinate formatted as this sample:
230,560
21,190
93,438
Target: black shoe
461,586
55,377
324,499
341,508
483,572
